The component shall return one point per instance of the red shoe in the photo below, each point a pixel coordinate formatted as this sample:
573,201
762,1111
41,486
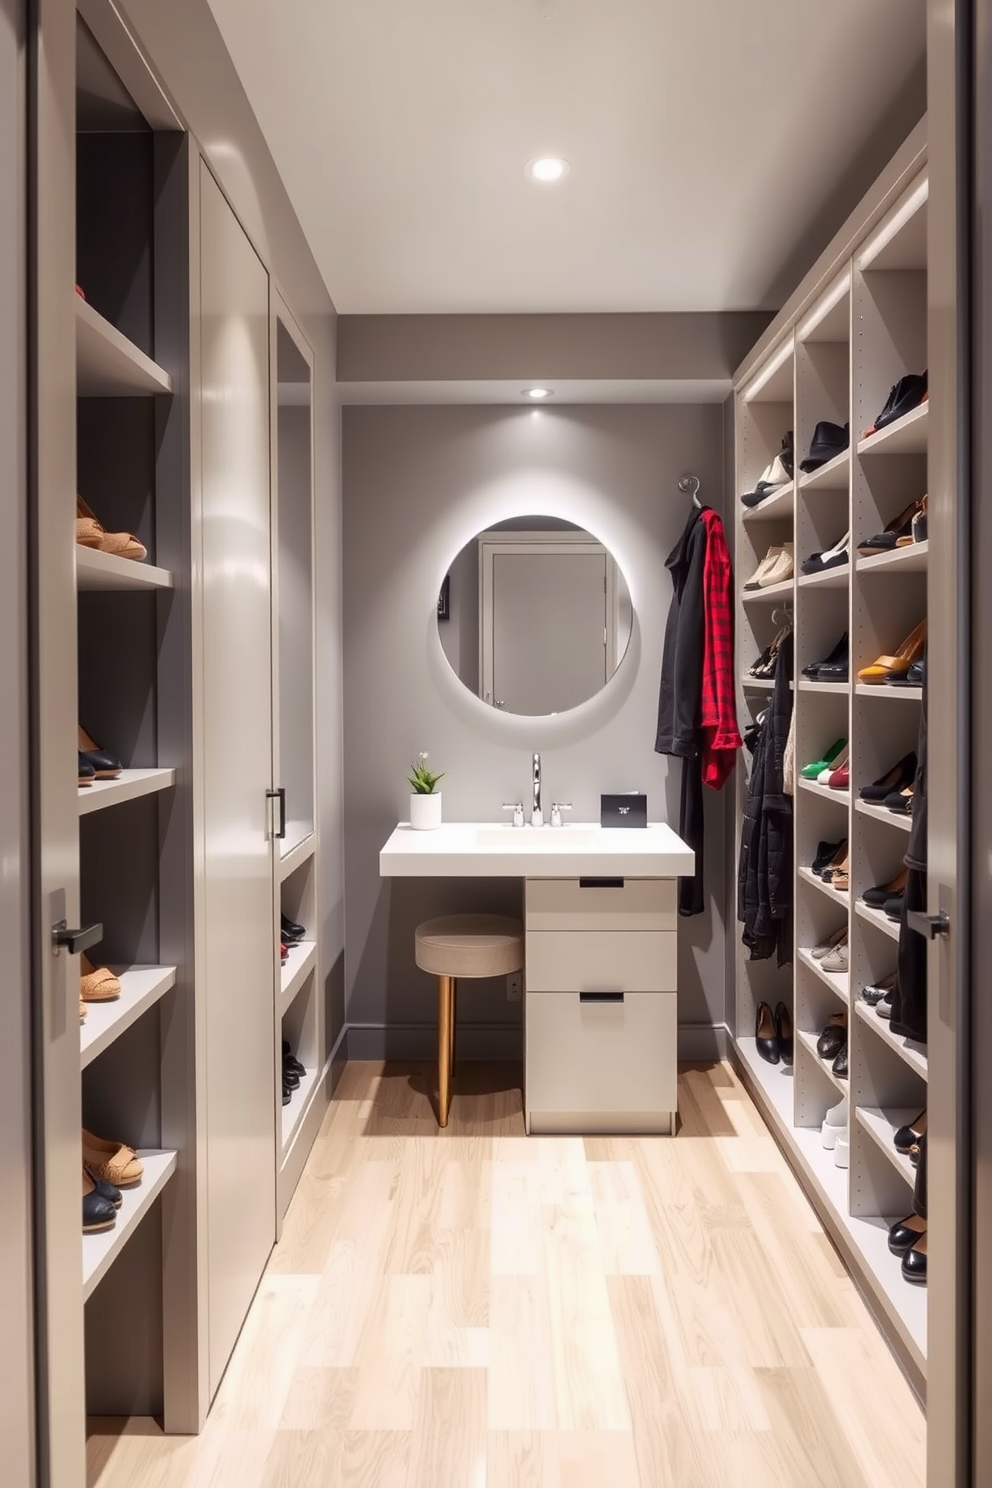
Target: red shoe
840,779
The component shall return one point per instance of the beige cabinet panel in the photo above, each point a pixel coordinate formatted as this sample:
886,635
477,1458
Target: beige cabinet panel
237,770
601,904
601,1065
601,960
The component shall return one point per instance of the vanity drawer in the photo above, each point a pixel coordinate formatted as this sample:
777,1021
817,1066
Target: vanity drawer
601,961
601,903
606,1065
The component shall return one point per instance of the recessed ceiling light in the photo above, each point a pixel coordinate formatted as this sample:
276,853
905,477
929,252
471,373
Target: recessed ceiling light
548,168
537,393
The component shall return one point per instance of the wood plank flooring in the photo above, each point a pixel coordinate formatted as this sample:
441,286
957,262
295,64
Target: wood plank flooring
476,1309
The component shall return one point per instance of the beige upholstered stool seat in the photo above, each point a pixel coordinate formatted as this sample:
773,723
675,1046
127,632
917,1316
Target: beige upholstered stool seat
470,945
465,945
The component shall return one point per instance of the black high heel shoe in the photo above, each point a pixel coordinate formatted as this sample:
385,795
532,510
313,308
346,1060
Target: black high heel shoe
783,1033
766,1035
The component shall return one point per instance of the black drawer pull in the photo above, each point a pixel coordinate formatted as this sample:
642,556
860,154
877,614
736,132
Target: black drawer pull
600,883
601,996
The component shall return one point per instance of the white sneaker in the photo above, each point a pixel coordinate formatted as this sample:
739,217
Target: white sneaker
834,1125
842,1152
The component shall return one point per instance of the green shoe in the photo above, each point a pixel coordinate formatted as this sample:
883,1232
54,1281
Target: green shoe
810,772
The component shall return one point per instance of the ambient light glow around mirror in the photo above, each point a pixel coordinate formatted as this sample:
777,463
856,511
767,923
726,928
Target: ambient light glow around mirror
534,616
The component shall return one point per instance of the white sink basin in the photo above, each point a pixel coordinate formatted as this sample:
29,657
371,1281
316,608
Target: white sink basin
501,850
536,839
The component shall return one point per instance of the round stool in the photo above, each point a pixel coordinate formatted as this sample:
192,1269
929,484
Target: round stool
464,945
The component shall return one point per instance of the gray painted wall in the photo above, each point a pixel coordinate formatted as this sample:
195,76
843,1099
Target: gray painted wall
418,484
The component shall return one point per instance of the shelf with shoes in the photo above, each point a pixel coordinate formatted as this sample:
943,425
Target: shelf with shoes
907,436
770,594
837,981
882,1125
301,959
102,1250
911,559
141,989
905,694
859,358
105,572
779,506
912,1053
130,785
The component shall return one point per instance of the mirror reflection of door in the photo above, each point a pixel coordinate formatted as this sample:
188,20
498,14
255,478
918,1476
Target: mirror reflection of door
548,603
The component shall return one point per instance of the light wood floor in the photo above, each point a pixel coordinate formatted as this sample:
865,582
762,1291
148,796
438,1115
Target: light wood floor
476,1309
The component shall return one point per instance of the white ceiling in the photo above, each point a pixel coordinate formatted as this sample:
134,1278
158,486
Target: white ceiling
703,138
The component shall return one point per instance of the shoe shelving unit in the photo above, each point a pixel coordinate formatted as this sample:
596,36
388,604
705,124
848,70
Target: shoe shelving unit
861,326
177,401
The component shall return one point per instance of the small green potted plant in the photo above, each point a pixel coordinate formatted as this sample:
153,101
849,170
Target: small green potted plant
425,802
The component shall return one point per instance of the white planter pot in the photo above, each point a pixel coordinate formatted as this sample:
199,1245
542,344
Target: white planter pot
425,812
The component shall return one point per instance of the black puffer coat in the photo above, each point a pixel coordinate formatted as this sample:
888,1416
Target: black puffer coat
764,879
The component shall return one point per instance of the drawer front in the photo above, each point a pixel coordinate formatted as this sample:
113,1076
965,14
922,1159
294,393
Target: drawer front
601,961
589,1058
601,904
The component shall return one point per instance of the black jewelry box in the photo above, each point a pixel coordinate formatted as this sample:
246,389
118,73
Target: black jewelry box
623,811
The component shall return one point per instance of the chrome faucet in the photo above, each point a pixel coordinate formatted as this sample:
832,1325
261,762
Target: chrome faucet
537,815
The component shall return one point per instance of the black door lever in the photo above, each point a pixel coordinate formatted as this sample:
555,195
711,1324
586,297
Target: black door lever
929,926
77,940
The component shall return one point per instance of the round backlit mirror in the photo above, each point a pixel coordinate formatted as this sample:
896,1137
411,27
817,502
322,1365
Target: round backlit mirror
534,616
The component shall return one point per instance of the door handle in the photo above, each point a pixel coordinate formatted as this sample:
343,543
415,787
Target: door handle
76,940
600,883
280,796
931,927
601,996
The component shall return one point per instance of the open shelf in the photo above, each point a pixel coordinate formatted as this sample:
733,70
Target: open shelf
128,787
141,988
776,1080
300,962
806,685
839,896
108,365
295,848
779,506
101,1251
907,436
867,1236
914,558
837,981
825,792
105,571
831,578
294,1112
880,689
773,591
912,1053
879,919
808,1041
758,684
834,476
883,814
882,1126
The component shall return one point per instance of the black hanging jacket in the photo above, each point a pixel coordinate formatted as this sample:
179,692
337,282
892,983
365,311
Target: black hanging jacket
764,879
680,697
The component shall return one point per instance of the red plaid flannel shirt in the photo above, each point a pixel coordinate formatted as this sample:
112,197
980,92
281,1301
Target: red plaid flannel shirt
718,714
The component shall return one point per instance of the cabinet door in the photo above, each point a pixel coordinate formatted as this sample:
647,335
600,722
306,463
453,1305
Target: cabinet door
236,919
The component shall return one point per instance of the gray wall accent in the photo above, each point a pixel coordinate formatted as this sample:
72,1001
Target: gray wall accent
418,484
437,348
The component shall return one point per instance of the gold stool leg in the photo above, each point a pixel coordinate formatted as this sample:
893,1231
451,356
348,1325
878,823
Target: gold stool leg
451,1047
445,987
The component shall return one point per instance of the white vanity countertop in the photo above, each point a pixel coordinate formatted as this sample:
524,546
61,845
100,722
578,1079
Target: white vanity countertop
499,850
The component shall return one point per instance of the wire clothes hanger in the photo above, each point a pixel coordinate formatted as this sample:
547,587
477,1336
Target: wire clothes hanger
690,483
782,617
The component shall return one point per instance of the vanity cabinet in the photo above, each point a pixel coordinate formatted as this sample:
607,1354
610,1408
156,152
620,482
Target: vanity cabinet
601,1010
